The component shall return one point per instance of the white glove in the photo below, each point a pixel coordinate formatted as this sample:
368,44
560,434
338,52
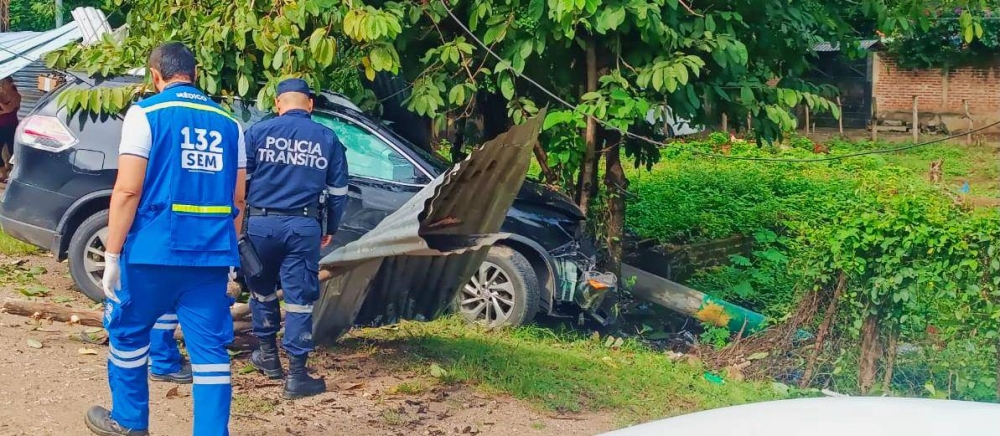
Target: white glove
112,280
232,274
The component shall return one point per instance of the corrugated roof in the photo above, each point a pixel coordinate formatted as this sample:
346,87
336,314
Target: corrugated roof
413,262
26,81
832,47
18,49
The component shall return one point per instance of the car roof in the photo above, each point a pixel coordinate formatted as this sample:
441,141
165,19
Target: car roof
137,75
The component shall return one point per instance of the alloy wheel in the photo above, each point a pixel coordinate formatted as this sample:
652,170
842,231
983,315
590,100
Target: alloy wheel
488,298
93,257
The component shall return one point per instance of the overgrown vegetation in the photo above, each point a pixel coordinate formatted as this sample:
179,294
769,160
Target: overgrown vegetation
561,370
873,254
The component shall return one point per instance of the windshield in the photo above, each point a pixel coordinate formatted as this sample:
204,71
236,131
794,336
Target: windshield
438,164
248,114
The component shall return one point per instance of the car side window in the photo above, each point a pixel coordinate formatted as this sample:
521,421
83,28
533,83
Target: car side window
369,156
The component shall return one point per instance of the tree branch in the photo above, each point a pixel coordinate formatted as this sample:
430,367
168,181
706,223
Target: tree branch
691,11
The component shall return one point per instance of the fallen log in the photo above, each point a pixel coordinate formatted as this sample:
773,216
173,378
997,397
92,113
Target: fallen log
84,317
55,312
242,310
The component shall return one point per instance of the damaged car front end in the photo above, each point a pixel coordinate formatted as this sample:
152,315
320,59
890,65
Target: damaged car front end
413,265
566,262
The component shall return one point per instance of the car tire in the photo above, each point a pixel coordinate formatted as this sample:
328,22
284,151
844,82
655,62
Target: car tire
86,255
506,281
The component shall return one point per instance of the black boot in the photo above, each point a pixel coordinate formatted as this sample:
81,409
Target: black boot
182,377
266,359
299,384
99,421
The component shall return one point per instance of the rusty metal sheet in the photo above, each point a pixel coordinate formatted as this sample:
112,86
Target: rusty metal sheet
412,263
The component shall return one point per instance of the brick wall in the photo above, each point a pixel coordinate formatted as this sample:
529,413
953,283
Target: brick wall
938,93
679,262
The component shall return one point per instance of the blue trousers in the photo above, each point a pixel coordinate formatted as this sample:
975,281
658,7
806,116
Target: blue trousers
164,356
289,249
197,295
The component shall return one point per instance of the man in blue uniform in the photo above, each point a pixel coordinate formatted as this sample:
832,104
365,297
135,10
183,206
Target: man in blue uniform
292,161
174,217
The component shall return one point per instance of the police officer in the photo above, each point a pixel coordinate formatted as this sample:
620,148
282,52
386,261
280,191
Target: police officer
292,161
172,230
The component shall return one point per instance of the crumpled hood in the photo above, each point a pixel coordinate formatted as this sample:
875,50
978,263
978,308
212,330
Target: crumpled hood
545,197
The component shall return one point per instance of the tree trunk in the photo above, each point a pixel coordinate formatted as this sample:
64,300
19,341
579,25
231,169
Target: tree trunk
584,187
998,369
458,147
824,330
542,157
4,16
868,364
493,108
615,183
392,91
890,360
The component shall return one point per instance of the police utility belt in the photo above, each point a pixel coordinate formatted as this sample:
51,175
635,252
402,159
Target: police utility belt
309,212
251,265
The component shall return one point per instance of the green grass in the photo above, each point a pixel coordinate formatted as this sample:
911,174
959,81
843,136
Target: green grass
560,371
409,388
249,405
12,247
976,164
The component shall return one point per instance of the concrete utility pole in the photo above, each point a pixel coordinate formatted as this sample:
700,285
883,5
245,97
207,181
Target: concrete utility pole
4,15
59,13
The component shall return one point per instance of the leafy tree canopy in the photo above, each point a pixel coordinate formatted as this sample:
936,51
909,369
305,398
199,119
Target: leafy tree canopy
39,15
244,47
615,60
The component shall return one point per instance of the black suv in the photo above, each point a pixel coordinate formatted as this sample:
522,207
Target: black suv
66,165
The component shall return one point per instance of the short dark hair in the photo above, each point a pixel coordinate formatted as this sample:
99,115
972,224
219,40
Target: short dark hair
173,59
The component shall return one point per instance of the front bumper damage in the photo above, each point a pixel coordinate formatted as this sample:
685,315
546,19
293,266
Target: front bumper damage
578,282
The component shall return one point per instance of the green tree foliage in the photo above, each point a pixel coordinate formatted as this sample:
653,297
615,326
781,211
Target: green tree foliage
949,39
651,53
244,47
742,58
39,15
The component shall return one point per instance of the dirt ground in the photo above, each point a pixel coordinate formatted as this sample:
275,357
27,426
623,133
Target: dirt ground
45,391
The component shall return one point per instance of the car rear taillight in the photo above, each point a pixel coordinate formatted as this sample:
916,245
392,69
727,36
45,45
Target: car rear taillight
46,133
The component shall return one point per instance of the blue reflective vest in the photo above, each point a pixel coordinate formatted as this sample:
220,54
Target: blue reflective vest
185,215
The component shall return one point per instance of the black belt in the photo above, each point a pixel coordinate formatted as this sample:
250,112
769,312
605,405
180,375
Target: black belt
309,212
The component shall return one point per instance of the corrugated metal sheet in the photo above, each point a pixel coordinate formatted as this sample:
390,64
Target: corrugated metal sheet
824,47
19,49
413,262
27,84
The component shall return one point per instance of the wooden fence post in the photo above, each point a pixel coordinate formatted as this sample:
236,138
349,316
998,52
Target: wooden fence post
725,123
807,120
840,119
968,116
916,121
874,120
